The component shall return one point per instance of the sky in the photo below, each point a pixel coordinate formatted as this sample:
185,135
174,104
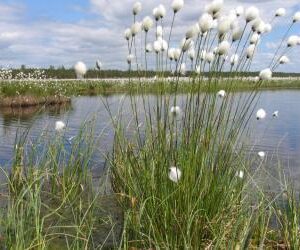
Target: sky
40,33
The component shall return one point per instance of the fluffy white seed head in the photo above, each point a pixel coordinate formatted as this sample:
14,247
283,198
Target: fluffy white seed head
280,12
192,53
127,34
205,22
175,174
164,44
224,25
234,59
147,23
202,55
171,54
251,13
149,48
221,93
177,53
157,46
265,74
261,154
261,114
240,174
284,60
254,38
136,28
159,31
223,48
130,58
250,51
296,17
239,11
98,65
214,7
156,14
192,31
177,5
236,34
292,41
80,69
258,26
161,10
175,111
137,7
209,57
59,126
198,69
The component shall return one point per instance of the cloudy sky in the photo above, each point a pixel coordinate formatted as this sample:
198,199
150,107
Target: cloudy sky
40,33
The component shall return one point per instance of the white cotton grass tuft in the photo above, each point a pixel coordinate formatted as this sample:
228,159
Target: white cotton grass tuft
209,57
171,54
191,54
223,48
236,34
157,46
137,7
177,5
261,154
175,174
192,32
261,114
80,70
265,74
292,41
149,48
161,10
296,17
251,14
59,126
127,34
175,111
198,69
254,38
159,31
130,58
239,11
275,114
284,60
234,59
177,53
240,174
224,25
136,28
221,93
250,51
205,23
214,7
147,23
280,12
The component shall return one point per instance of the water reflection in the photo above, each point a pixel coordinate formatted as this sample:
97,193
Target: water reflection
278,137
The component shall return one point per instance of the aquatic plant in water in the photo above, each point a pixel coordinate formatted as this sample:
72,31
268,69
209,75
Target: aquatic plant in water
201,150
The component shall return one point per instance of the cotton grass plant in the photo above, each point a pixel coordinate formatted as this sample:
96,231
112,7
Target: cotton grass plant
184,180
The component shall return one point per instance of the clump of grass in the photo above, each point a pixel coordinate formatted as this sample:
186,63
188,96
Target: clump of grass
183,179
51,199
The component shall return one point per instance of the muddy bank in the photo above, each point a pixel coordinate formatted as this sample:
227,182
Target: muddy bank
29,101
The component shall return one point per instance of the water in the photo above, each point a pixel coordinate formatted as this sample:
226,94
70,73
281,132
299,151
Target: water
278,137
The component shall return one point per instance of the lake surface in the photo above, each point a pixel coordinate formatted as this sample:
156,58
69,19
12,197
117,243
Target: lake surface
278,137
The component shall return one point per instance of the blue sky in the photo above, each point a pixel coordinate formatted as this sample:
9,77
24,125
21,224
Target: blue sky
40,33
